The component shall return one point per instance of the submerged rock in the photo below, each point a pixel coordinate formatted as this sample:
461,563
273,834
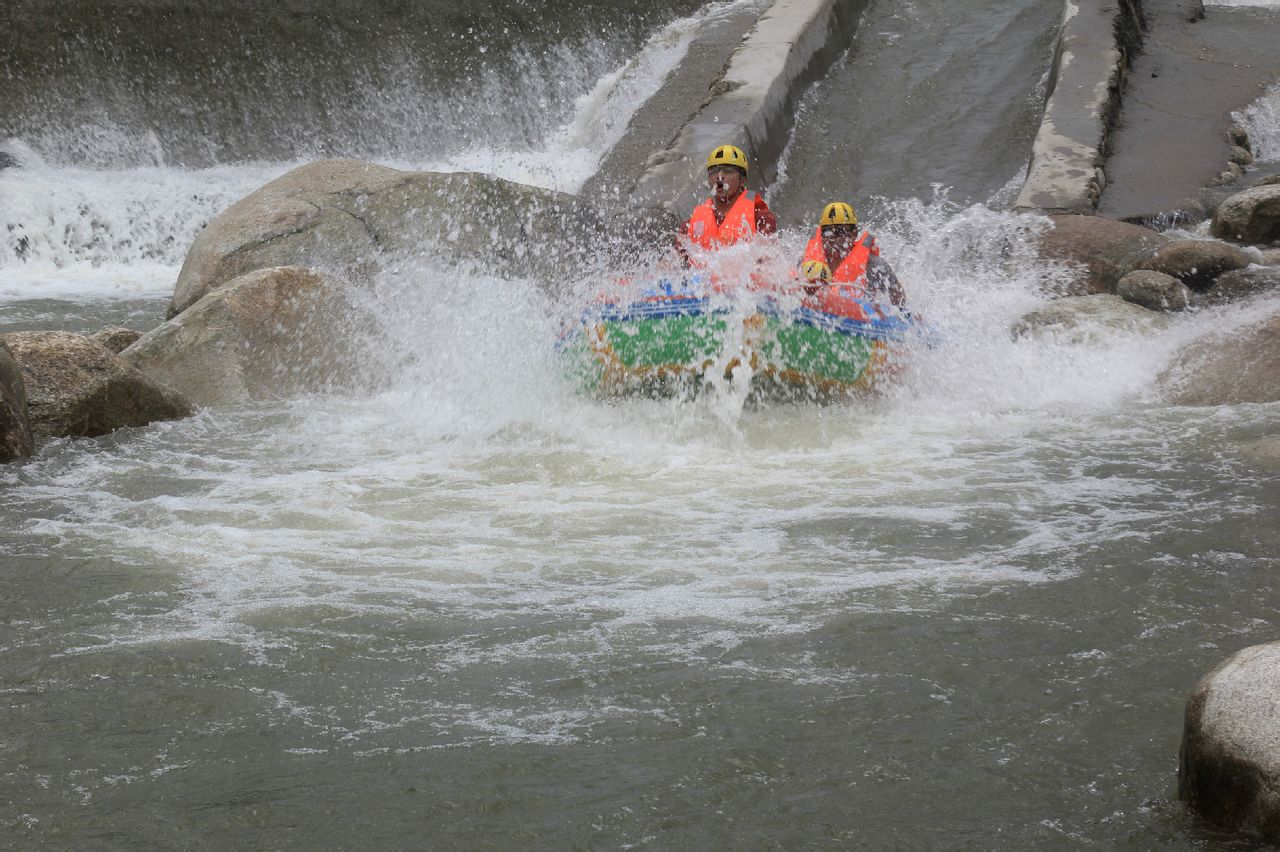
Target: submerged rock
1229,767
78,388
1154,290
1226,369
1087,319
115,338
271,333
1102,249
1195,263
1252,216
1242,284
345,216
16,440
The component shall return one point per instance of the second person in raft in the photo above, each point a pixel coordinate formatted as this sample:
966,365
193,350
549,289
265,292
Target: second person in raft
733,213
837,254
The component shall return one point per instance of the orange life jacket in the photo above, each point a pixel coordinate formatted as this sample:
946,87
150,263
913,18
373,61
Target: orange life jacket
739,223
853,269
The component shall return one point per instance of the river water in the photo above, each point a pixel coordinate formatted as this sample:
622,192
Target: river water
472,609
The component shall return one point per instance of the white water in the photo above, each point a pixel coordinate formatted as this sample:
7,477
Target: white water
567,622
88,233
1262,119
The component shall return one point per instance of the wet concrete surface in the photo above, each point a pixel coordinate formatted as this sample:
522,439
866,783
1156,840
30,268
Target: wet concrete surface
1171,143
655,126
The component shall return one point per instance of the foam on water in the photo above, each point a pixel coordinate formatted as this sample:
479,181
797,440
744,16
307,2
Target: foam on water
1262,119
477,483
72,232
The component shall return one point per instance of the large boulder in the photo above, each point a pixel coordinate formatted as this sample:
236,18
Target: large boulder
1153,290
1243,366
1102,249
346,216
1252,216
1195,263
1242,284
1229,767
1087,319
78,388
1270,257
271,333
16,440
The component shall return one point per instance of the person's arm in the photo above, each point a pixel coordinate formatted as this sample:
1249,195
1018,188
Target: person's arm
766,222
881,279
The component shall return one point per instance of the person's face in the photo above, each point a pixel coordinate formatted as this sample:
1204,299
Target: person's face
838,238
725,181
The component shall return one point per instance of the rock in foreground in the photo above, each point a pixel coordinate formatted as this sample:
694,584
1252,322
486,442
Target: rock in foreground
1153,290
1252,216
16,440
346,215
1196,263
1087,319
78,388
271,333
1230,762
1228,369
1243,284
1103,250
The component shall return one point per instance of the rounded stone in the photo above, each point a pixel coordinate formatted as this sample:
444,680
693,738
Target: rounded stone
1229,767
78,388
1251,216
1243,284
1087,319
1195,263
1103,250
1154,290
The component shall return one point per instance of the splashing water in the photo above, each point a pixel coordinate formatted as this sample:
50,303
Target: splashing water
1262,120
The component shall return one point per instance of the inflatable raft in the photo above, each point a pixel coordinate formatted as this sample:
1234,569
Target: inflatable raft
815,342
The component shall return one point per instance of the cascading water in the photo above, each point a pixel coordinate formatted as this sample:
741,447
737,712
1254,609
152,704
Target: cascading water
470,607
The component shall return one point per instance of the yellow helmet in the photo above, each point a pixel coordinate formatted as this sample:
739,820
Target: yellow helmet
727,155
838,213
815,271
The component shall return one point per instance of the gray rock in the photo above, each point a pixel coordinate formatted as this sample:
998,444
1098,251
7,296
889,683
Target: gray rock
1251,216
1195,263
1240,156
1270,180
1270,257
1102,249
116,339
1242,284
1087,319
267,334
1237,135
1229,767
1227,369
348,216
78,388
1153,290
16,440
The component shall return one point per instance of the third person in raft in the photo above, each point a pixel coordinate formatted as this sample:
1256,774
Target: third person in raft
838,254
733,213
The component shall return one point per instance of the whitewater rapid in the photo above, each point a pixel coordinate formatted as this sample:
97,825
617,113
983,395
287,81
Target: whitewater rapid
468,607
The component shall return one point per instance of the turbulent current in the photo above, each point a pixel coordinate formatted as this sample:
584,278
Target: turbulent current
471,608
